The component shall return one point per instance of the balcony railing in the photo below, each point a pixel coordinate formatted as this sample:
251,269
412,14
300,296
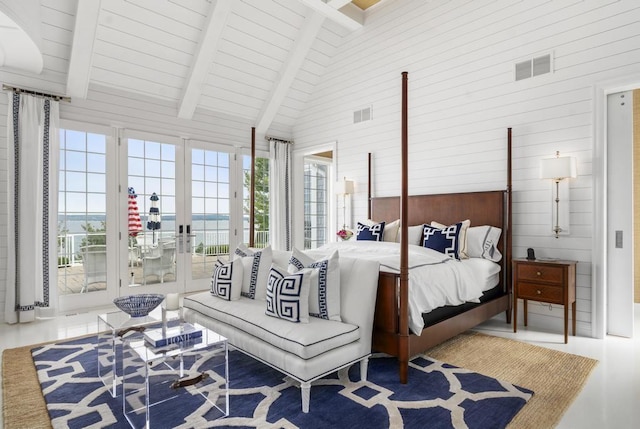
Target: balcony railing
202,243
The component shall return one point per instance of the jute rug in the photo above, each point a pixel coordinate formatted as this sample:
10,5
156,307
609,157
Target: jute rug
555,377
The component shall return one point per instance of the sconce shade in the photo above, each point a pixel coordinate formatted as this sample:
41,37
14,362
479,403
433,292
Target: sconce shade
558,168
344,187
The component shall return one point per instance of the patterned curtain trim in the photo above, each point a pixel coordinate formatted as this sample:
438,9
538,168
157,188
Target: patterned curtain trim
45,205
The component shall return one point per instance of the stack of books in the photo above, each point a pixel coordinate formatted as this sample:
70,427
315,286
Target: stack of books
186,332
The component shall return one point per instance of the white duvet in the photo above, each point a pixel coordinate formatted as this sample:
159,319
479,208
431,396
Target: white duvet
435,280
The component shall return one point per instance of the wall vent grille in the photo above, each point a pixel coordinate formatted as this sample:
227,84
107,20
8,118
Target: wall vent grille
533,67
363,115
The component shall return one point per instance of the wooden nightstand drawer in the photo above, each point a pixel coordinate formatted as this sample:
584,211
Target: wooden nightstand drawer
546,281
538,292
540,273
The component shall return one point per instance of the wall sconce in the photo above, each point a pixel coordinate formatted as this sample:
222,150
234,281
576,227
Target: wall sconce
344,188
557,169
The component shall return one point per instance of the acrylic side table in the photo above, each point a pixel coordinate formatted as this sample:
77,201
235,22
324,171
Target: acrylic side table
113,328
193,372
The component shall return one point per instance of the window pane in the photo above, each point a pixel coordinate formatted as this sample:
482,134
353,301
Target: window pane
96,183
96,163
76,140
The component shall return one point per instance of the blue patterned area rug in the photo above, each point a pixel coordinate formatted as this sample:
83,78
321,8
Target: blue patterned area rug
438,395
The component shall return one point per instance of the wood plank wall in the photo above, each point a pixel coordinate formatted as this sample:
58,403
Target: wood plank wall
460,57
462,96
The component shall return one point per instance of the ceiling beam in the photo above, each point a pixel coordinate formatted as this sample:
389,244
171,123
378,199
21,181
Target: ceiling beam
333,14
297,55
203,60
84,36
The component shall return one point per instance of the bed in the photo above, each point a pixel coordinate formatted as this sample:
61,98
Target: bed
391,333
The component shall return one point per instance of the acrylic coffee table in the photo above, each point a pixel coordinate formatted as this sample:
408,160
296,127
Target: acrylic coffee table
116,327
192,374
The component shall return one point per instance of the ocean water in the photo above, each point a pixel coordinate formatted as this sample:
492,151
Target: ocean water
208,230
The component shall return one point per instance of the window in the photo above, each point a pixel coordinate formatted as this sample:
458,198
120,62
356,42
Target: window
82,199
261,201
316,181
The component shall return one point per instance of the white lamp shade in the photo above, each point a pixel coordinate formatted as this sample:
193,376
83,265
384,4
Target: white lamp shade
344,187
558,168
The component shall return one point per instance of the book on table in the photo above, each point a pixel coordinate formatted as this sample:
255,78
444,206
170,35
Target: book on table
173,335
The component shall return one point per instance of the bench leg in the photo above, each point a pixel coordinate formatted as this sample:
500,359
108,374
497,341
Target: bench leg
305,391
364,365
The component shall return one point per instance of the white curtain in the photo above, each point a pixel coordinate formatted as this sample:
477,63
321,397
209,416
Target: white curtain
32,200
280,210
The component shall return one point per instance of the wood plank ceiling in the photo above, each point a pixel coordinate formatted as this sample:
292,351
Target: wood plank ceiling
253,59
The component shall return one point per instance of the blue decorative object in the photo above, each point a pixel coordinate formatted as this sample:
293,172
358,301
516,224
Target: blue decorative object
370,233
443,240
138,305
437,393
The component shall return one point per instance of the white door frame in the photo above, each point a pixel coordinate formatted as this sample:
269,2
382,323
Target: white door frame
96,298
298,188
169,285
599,304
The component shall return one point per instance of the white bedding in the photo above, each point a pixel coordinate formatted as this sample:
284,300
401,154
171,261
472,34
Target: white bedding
441,280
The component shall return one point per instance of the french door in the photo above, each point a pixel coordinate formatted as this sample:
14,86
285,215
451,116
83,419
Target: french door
185,212
144,213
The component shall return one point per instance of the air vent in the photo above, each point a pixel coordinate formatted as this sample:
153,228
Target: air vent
362,115
533,67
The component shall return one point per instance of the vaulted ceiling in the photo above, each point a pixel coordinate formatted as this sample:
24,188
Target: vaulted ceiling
254,59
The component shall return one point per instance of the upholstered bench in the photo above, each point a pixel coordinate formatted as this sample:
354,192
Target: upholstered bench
303,351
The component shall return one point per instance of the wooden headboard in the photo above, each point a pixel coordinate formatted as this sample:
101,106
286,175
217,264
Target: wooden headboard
481,208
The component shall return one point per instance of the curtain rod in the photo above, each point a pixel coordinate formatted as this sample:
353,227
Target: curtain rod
267,138
36,93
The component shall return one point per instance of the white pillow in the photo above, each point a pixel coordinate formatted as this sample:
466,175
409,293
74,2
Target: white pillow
462,237
324,295
255,269
287,295
226,281
390,232
482,242
415,234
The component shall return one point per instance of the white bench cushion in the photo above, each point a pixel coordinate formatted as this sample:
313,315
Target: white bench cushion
303,340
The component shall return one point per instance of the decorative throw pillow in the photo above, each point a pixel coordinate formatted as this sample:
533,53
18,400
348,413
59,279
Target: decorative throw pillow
370,233
443,240
226,281
462,238
324,293
255,264
288,295
482,242
415,234
390,233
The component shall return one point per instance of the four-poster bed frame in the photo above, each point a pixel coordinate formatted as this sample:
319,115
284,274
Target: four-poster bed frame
391,324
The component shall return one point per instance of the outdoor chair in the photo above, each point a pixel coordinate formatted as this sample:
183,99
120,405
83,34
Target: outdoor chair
159,261
94,264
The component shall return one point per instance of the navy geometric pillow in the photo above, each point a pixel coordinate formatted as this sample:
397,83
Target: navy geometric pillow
443,240
288,295
226,281
370,233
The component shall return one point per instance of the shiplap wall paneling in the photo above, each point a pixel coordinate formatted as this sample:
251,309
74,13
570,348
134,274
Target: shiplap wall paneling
462,97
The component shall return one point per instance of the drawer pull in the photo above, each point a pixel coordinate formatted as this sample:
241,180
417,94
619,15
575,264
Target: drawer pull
539,292
538,273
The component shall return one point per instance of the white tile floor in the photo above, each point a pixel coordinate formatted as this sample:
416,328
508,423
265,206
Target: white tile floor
610,399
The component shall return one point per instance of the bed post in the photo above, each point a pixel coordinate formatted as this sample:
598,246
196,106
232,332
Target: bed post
507,256
403,340
252,192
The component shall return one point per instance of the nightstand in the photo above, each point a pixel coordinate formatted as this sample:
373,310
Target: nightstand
545,281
